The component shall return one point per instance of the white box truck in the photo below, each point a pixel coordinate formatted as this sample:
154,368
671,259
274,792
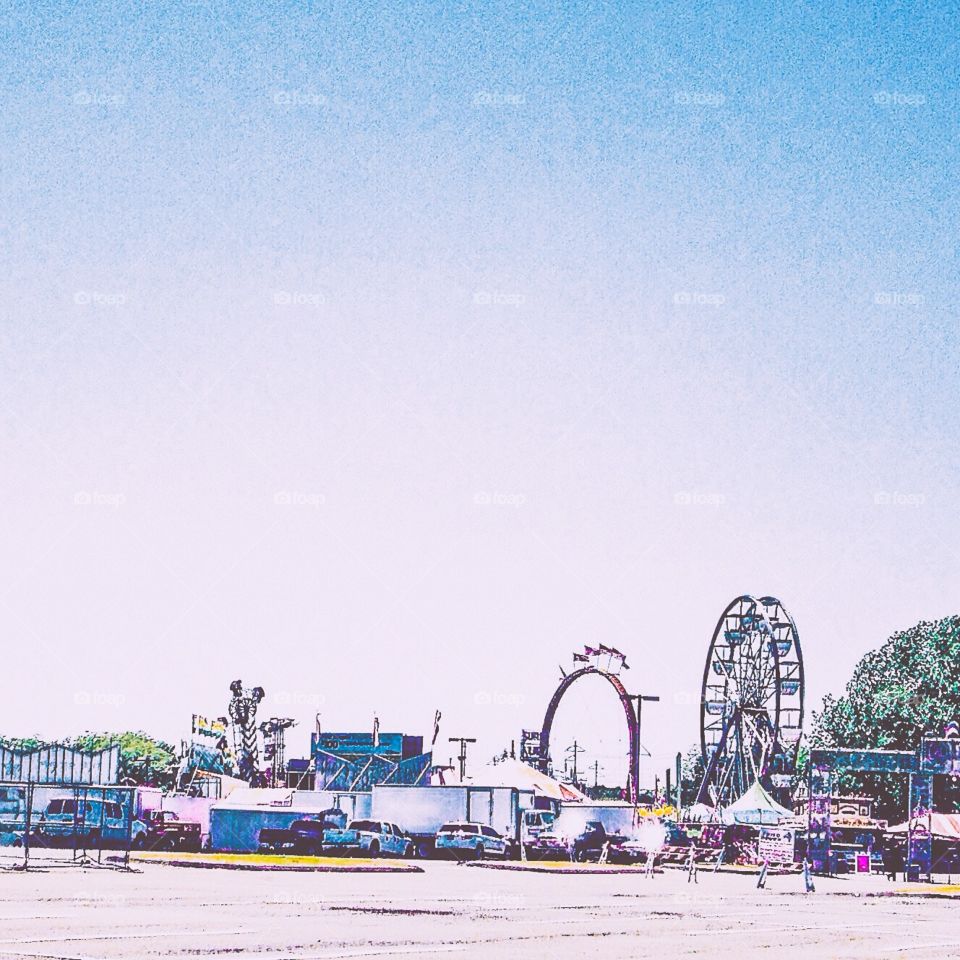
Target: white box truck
421,811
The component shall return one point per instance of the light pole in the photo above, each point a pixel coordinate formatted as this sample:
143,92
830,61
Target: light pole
463,741
641,699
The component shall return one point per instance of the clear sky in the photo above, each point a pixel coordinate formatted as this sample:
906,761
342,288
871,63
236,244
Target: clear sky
381,354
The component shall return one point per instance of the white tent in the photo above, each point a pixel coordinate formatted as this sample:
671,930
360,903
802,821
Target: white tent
515,773
756,807
699,813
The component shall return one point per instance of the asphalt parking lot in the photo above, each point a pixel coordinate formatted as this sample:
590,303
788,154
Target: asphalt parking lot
165,911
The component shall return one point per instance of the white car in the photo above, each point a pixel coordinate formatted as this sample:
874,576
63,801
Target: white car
466,839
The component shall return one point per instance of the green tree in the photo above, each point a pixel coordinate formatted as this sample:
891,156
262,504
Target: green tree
692,769
144,760
907,688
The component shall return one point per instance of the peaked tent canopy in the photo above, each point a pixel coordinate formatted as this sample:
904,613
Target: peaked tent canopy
756,807
942,825
516,773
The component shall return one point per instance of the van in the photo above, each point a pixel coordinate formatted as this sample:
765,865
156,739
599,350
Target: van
96,822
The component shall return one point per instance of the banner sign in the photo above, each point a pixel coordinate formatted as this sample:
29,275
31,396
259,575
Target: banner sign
776,845
941,756
202,727
529,745
360,744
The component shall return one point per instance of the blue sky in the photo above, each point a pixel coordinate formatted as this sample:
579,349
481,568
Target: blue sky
390,259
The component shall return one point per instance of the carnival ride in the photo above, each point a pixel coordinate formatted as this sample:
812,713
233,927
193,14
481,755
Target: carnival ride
751,710
610,671
242,711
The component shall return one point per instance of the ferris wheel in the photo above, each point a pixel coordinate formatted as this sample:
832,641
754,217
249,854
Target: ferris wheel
751,705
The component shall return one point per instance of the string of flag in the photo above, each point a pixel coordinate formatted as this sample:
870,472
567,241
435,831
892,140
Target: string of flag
595,654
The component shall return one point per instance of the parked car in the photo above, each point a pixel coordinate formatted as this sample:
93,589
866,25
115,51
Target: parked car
166,831
423,810
94,822
373,837
589,843
650,837
470,839
549,845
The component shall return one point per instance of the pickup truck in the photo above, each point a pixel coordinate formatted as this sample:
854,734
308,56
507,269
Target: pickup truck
305,837
372,837
589,843
166,831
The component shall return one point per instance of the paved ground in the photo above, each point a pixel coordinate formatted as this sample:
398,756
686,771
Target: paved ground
164,911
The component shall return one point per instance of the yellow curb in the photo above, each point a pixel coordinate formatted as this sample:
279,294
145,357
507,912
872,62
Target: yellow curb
559,866
259,861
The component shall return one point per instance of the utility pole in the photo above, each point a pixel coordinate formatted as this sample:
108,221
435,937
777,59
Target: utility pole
463,741
596,774
576,749
641,699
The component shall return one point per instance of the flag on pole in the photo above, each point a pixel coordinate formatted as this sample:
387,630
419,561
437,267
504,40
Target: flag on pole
592,652
436,728
581,658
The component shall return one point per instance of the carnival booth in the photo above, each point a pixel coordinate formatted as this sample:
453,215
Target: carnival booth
751,822
943,829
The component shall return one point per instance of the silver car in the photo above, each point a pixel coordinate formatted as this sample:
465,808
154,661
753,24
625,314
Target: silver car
470,839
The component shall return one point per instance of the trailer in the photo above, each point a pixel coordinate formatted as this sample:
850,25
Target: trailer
237,821
617,816
422,811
